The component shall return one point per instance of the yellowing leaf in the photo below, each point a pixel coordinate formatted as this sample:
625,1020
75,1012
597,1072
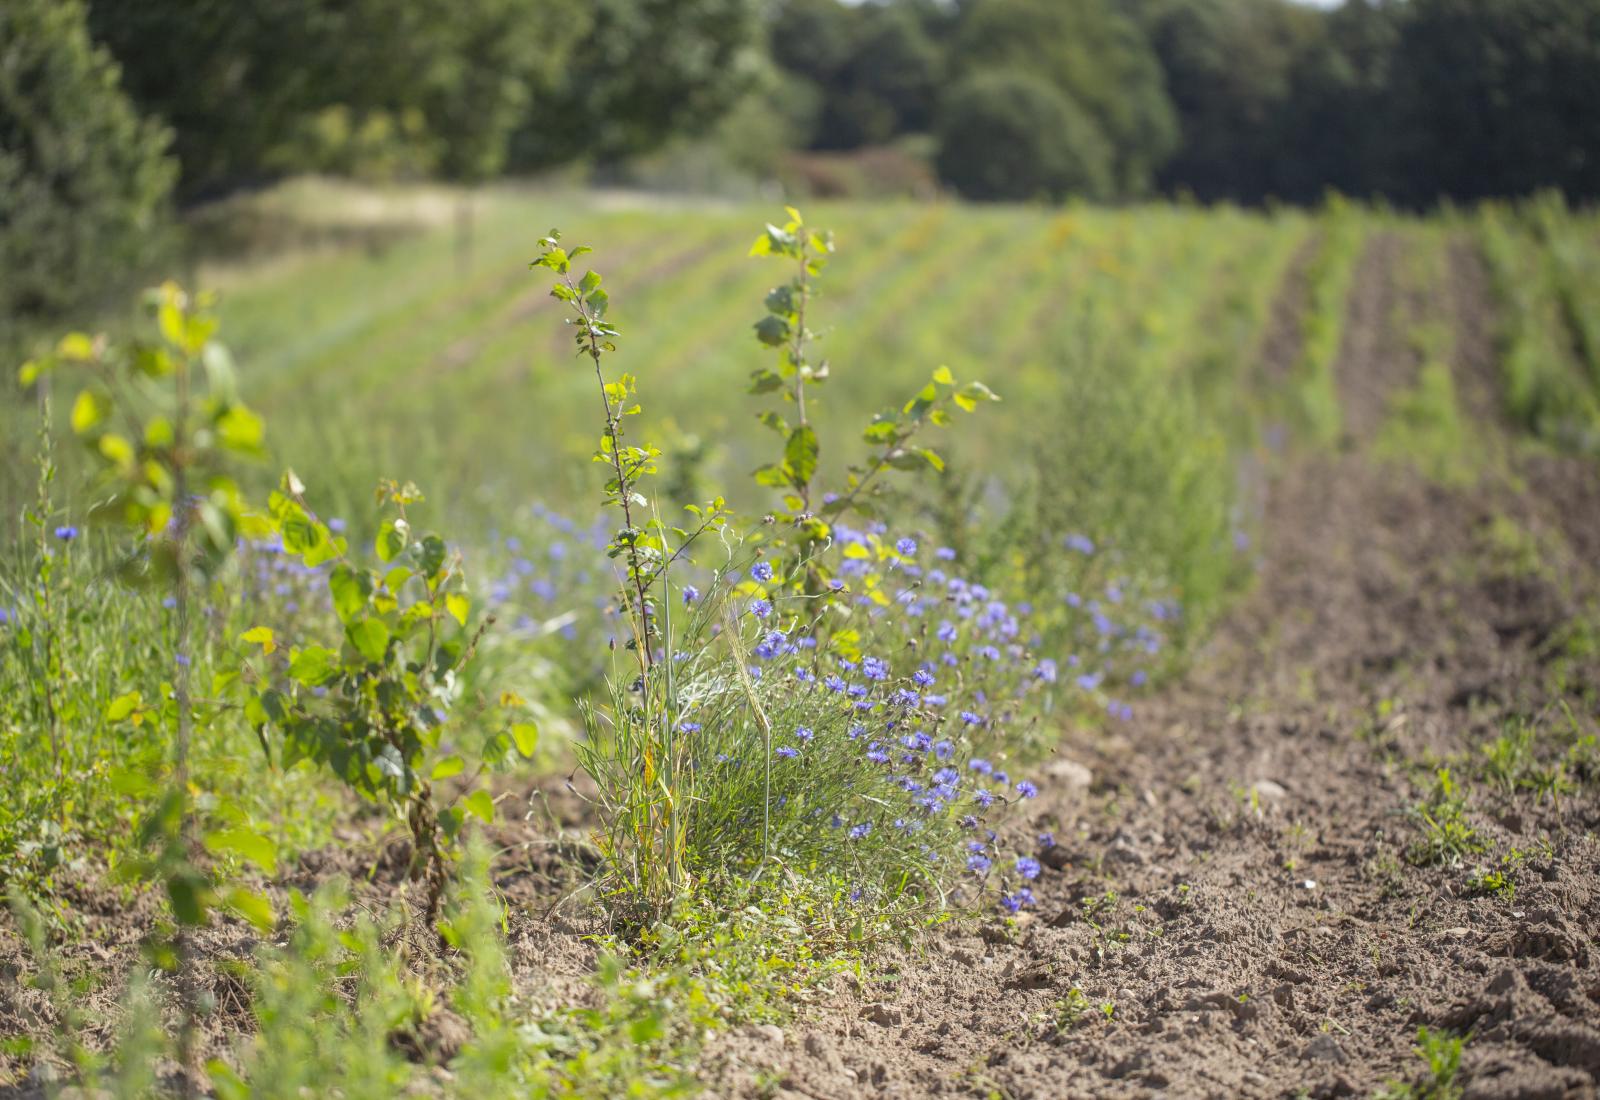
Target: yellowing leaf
457,605
526,736
262,636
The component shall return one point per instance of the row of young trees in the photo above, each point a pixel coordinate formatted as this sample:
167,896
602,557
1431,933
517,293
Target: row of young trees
109,108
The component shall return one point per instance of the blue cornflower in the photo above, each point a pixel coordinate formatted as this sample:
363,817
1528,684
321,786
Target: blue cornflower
1046,671
861,830
971,719
876,754
1027,788
922,677
690,594
945,553
1028,867
980,765
836,585
1088,681
1138,678
788,752
946,776
1010,903
1047,840
833,683
856,732
982,797
875,668
943,749
760,608
804,733
979,864
761,571
66,533
1081,543
906,546
946,631
688,727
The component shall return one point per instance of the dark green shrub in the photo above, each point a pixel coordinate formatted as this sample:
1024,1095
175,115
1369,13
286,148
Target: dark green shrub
1006,135
83,179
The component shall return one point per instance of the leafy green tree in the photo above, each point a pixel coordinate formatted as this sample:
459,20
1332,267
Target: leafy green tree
84,180
642,73
1498,97
1097,57
1229,66
1014,135
1337,128
876,67
231,77
251,85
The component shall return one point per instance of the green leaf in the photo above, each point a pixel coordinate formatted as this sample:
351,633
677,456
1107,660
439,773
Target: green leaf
430,555
314,666
253,907
391,541
116,449
773,330
123,706
480,805
969,395
187,900
369,637
765,381
78,346
943,376
89,411
247,845
450,765
800,454
351,589
590,280
241,430
457,605
526,736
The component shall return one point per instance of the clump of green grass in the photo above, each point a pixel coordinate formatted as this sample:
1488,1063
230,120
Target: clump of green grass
1445,833
1441,1051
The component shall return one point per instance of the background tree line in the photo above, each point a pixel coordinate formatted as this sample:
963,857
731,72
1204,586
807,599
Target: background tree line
110,110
